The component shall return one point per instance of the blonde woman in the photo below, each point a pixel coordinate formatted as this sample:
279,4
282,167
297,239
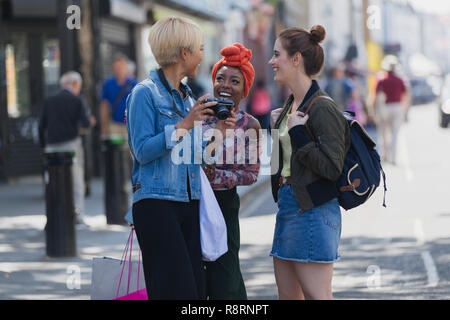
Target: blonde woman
166,195
308,223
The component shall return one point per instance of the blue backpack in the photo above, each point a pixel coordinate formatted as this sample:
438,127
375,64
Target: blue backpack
360,175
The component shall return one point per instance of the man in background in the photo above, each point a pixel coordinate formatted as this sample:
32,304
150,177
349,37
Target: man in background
339,87
62,116
114,95
390,106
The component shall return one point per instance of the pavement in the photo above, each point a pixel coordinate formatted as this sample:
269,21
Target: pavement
398,252
26,272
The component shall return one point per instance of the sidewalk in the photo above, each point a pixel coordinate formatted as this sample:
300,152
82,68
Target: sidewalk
27,273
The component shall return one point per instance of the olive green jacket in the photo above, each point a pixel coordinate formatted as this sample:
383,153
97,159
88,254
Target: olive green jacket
315,166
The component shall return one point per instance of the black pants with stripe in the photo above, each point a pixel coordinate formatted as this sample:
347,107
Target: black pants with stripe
223,277
169,236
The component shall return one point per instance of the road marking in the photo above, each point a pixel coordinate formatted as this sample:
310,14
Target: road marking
418,231
430,267
432,274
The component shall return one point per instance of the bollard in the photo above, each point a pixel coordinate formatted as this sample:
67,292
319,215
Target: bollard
60,228
116,176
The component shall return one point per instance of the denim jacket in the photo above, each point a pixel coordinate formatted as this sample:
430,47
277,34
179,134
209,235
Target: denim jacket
151,120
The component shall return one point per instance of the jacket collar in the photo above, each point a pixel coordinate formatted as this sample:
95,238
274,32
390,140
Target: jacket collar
313,91
183,87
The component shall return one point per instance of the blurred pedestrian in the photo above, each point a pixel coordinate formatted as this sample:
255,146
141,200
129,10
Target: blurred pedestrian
114,94
160,111
356,106
232,79
390,106
339,87
358,95
308,223
260,104
62,116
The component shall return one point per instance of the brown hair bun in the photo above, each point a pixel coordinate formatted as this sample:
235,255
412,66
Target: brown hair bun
317,33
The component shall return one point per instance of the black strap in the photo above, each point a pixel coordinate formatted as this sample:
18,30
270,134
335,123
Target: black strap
120,96
163,80
385,189
166,85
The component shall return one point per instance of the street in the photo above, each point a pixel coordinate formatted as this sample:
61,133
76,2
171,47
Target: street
398,252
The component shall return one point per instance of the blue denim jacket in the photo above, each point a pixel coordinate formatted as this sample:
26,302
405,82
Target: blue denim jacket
151,121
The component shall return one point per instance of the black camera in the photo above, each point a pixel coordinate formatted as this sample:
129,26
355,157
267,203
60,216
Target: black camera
222,108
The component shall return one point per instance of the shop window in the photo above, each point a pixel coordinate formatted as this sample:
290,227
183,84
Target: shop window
17,76
51,65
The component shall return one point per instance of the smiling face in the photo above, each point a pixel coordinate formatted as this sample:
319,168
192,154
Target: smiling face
229,84
282,64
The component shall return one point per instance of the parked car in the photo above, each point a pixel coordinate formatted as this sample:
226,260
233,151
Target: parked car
444,104
421,91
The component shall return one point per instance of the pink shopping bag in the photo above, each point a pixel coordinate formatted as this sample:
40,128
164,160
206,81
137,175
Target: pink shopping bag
140,294
137,295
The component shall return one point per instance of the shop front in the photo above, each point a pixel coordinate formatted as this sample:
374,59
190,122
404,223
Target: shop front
209,15
29,66
36,46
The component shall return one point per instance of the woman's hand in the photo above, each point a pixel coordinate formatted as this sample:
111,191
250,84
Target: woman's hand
274,115
199,112
297,118
228,123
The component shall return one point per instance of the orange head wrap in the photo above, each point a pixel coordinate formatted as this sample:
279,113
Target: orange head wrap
239,56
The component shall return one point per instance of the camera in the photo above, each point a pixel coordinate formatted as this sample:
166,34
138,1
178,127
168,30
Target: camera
222,108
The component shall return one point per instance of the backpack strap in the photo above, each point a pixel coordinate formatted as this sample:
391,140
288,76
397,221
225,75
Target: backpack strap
385,189
120,96
308,130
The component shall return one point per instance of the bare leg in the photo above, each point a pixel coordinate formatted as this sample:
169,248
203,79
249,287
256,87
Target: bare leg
289,287
315,280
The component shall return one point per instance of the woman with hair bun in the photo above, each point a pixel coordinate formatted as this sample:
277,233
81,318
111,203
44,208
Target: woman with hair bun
308,222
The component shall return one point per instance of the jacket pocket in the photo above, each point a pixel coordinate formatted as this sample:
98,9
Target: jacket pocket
165,117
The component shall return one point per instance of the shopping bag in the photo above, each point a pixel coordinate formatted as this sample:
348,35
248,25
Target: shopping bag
118,279
213,230
137,295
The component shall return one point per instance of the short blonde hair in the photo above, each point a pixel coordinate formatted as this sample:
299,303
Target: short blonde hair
169,35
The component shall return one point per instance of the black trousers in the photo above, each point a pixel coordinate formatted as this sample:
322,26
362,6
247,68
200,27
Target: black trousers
168,233
223,277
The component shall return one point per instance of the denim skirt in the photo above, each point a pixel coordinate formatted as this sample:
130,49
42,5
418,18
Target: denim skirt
306,236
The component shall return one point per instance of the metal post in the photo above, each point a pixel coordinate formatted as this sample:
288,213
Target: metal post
60,228
116,162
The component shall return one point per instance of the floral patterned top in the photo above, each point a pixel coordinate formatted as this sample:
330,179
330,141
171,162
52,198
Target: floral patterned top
238,164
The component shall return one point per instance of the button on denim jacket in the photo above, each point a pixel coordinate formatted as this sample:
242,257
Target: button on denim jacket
151,120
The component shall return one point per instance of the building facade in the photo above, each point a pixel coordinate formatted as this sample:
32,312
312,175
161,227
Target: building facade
41,39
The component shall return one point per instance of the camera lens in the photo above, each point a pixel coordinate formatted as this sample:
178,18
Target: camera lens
222,112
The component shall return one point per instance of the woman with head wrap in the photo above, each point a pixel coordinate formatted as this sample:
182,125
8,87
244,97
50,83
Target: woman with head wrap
232,77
